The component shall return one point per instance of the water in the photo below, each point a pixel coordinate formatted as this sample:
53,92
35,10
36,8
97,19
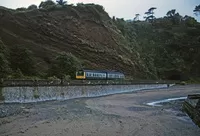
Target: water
158,103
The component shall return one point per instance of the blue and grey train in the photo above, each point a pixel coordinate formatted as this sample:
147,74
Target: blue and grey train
101,75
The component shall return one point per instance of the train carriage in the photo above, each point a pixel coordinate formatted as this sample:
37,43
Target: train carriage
95,74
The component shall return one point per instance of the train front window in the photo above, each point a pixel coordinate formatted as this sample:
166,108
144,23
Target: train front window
80,73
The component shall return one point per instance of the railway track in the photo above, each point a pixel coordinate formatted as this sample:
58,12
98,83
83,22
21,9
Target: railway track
10,83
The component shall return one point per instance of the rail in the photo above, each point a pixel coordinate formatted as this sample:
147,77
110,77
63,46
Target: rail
41,82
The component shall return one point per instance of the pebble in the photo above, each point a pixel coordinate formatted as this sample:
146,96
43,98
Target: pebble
22,131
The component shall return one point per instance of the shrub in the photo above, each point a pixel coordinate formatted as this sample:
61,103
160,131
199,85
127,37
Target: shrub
47,4
64,64
61,2
52,78
4,64
17,74
22,60
32,7
21,9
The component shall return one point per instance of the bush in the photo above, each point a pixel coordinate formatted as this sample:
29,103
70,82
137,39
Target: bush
17,74
32,7
4,67
47,4
21,9
61,2
22,60
64,64
4,63
52,78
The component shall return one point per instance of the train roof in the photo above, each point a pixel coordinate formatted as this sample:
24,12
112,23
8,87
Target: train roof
102,71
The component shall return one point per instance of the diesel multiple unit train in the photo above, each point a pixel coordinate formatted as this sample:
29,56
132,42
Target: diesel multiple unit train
101,75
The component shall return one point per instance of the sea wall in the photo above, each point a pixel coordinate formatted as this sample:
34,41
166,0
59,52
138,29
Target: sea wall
26,94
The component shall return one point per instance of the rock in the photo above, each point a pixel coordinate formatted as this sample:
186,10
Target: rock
22,131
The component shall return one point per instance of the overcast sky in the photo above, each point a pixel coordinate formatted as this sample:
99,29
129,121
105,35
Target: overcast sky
124,8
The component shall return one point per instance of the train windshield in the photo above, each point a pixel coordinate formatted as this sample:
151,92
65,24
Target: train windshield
80,73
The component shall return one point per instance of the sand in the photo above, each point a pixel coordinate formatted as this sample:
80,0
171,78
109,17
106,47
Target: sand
114,115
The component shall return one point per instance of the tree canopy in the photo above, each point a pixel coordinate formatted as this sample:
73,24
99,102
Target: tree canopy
197,10
31,7
4,63
22,59
150,14
174,16
64,64
136,18
47,4
61,2
171,13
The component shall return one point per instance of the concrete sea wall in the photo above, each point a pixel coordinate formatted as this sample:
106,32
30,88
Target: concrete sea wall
46,93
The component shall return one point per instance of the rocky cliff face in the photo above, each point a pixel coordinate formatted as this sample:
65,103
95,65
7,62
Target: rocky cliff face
85,31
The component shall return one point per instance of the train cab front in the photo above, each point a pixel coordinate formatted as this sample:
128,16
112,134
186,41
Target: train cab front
80,74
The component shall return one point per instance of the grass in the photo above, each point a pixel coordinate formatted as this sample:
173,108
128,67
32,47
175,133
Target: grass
35,94
194,81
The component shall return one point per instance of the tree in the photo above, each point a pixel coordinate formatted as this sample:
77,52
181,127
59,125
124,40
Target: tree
4,64
32,7
150,14
174,16
189,21
64,64
21,9
47,4
4,67
22,59
136,17
113,19
61,2
171,13
197,10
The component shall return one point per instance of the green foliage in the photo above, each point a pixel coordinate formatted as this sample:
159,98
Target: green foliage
171,13
197,10
174,17
22,60
4,63
52,78
168,47
64,64
17,74
183,83
4,67
32,7
61,2
150,15
194,81
165,46
190,21
21,9
136,18
36,94
47,4
96,6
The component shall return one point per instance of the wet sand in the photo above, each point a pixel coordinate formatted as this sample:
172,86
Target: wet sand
114,115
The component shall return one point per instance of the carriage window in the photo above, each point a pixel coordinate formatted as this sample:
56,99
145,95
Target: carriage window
80,73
